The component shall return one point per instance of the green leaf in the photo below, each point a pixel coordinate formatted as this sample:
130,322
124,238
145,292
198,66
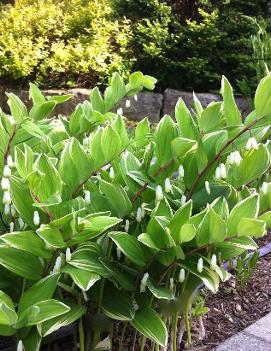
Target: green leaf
236,247
187,233
159,292
27,241
117,197
8,315
21,263
232,114
35,94
179,219
117,305
33,129
52,236
17,108
24,160
262,99
130,246
164,134
181,147
251,227
247,208
40,291
97,100
184,120
82,278
211,118
42,110
56,323
41,312
149,323
110,143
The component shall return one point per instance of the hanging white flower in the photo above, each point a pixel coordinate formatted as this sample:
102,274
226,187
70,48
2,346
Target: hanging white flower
118,253
11,227
158,193
10,161
36,218
183,200
264,188
181,171
213,262
207,187
200,265
168,187
171,284
120,111
139,214
252,144
127,225
11,120
58,265
237,158
87,197
21,223
143,213
128,103
6,198
20,346
13,210
111,173
182,275
5,184
217,173
144,282
68,255
7,209
223,171
85,141
135,97
7,171
153,161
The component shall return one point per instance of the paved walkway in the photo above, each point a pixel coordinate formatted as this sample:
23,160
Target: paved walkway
257,337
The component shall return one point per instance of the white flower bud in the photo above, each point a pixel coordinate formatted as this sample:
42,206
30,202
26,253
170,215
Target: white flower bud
231,158
139,214
10,161
264,188
213,262
153,161
21,223
237,158
11,227
144,282
58,265
127,224
68,255
168,187
183,200
87,197
171,284
207,187
200,265
13,210
135,97
118,253
7,171
5,184
143,210
7,210
252,144
217,173
85,296
120,111
128,103
158,193
36,218
223,171
182,275
111,173
20,346
6,198
181,172
11,120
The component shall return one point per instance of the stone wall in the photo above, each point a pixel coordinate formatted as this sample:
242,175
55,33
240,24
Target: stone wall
152,105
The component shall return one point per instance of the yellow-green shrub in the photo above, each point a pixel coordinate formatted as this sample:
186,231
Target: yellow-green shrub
65,41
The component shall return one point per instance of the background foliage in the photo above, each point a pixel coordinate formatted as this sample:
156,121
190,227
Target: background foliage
185,44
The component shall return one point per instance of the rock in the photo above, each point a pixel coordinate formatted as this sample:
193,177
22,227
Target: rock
171,97
147,105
